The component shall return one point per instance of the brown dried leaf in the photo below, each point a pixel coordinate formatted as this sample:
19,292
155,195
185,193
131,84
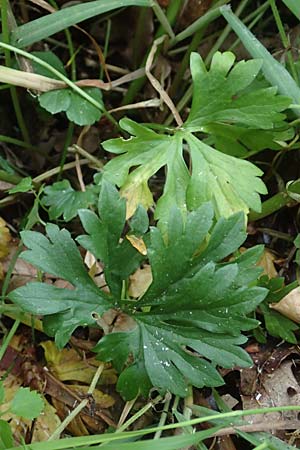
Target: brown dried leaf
289,305
67,364
267,263
140,281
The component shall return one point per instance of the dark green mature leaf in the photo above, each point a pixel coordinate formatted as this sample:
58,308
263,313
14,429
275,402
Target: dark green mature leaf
219,94
276,324
59,256
78,110
64,201
192,304
50,58
187,322
120,258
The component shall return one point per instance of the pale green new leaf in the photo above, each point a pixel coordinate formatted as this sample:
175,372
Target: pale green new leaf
231,184
293,6
220,95
27,404
148,152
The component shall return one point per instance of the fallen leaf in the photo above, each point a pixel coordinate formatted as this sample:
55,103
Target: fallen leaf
140,281
137,243
5,238
267,263
68,365
289,305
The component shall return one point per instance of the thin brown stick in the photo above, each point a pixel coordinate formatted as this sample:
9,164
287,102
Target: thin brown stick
155,83
261,426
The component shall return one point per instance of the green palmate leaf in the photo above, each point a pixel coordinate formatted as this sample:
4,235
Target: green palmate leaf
78,110
187,322
27,404
51,59
231,184
24,185
63,200
65,309
238,141
194,307
221,95
149,151
104,233
273,70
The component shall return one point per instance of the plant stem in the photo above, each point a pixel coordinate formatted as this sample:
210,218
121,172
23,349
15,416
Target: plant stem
67,143
9,177
198,24
13,90
163,19
8,338
225,33
163,417
284,39
77,149
138,414
136,86
79,407
270,206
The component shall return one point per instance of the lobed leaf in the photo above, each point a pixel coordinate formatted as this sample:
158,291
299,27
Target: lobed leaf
63,200
220,94
188,321
70,308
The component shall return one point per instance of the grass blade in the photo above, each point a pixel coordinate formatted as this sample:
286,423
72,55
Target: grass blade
294,7
45,26
273,71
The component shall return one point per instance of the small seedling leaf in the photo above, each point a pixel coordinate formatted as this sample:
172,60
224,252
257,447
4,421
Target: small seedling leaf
27,404
78,109
63,200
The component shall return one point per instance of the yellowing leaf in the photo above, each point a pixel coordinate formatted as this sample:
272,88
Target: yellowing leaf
4,238
137,243
289,305
136,192
67,364
267,263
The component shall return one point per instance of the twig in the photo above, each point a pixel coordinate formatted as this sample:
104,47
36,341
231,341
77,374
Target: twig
79,407
261,426
155,83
